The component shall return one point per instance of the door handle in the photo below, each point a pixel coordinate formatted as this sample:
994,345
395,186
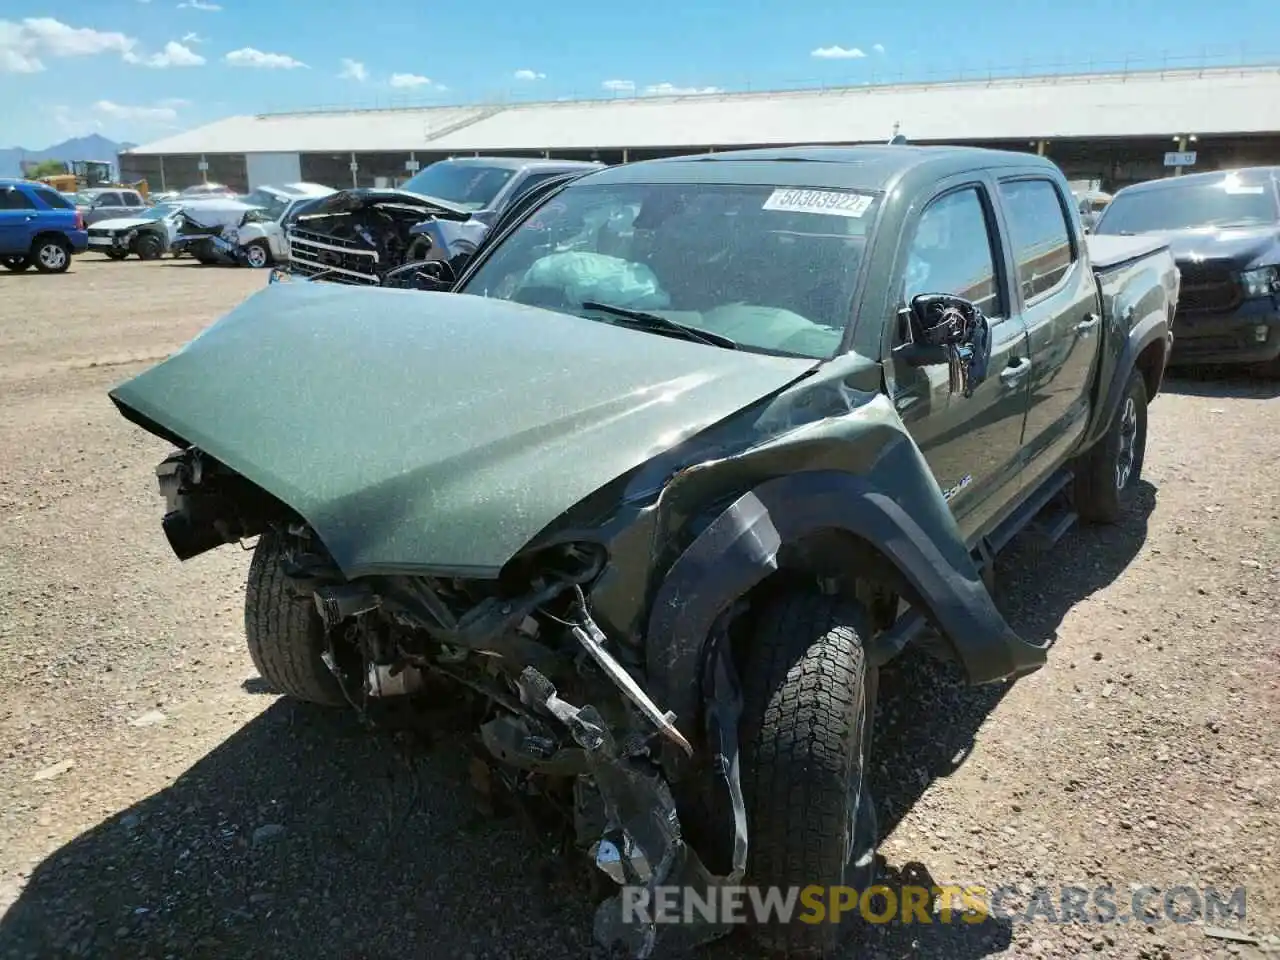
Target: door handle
1017,368
1087,324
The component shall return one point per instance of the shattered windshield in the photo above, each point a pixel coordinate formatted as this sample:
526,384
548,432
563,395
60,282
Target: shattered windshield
270,205
773,269
469,185
1235,200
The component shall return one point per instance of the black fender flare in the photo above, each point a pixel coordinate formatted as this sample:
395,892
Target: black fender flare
1151,329
739,549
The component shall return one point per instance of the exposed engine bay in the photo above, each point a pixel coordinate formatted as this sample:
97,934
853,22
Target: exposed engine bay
358,236
559,711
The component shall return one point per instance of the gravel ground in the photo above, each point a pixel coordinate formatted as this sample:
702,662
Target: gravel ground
155,801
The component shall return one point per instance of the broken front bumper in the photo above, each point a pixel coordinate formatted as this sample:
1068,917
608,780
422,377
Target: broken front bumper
641,846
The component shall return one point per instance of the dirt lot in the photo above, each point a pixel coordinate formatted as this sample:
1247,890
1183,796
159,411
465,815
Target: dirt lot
155,801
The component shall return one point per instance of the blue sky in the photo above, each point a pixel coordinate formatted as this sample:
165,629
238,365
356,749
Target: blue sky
141,69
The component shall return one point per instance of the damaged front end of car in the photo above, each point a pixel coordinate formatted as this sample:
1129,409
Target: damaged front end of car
358,236
564,712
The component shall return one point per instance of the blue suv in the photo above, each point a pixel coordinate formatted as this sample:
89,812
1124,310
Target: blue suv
38,227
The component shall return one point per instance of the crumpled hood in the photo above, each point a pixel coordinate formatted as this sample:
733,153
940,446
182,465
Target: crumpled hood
345,201
1243,247
435,431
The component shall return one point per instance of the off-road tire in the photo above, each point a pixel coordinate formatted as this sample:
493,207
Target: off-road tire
114,254
17,264
804,729
284,631
148,247
45,254
1099,496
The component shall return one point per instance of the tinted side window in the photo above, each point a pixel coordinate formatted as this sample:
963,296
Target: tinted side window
109,200
1039,234
132,200
532,180
952,252
12,198
52,200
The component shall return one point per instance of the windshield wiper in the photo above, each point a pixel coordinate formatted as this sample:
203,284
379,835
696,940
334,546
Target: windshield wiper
653,321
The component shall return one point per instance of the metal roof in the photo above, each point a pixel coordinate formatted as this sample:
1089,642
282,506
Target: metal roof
1238,100
869,168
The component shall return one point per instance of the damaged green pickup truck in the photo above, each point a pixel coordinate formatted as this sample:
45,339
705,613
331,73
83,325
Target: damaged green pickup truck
683,457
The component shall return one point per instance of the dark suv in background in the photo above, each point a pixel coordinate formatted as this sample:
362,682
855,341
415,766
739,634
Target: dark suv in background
1224,230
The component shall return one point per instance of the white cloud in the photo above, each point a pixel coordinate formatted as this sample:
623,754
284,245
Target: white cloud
177,103
22,44
353,70
671,90
190,37
837,53
173,55
620,86
249,57
116,111
529,75
878,47
200,5
409,81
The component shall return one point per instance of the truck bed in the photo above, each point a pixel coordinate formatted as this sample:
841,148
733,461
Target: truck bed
1109,252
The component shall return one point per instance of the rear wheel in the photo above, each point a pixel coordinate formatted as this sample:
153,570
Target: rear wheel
17,264
806,724
286,637
1105,480
51,254
258,254
149,247
116,254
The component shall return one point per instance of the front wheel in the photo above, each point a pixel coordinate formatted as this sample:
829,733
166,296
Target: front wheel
1106,479
116,254
17,264
285,634
806,724
51,255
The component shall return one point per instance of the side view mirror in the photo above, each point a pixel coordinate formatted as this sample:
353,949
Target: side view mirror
951,330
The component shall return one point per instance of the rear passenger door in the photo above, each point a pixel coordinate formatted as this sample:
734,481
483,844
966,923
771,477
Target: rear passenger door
1057,300
972,444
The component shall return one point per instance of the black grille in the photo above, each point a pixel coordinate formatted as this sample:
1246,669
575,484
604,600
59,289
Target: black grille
1208,287
345,261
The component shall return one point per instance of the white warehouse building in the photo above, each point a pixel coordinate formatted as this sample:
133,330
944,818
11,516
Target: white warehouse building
1113,127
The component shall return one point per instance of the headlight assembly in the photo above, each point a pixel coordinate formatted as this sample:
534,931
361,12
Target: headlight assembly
1261,282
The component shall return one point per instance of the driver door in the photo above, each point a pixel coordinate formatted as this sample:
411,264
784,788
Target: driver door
972,444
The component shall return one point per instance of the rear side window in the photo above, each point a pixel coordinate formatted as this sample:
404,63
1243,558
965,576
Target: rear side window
11,198
52,199
109,200
132,200
1039,234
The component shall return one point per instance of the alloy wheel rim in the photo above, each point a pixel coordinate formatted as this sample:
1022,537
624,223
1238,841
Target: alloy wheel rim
1128,443
52,256
257,257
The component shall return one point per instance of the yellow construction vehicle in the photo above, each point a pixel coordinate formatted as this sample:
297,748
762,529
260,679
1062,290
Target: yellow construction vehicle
91,173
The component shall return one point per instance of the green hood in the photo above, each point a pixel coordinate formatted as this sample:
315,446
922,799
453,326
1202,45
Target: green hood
434,431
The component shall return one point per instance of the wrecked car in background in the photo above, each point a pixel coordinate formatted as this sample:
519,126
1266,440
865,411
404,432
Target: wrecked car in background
441,214
689,452
1224,229
148,235
208,230
261,237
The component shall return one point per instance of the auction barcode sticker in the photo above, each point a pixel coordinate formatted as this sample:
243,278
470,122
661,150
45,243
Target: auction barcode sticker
835,203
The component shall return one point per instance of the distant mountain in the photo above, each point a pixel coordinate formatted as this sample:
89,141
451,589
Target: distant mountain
92,147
